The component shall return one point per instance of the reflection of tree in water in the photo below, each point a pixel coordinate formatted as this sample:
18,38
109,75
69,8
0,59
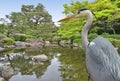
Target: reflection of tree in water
25,66
72,62
73,65
27,69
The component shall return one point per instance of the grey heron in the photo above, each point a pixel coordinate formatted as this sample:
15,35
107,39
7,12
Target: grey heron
102,59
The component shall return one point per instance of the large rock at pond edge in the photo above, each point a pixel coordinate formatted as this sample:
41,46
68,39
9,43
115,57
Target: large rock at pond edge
6,71
20,44
2,49
2,79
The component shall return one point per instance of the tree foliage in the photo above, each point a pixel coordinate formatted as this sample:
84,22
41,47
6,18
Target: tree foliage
31,20
106,21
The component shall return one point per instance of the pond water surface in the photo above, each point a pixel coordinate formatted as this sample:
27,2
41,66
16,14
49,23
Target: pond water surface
64,64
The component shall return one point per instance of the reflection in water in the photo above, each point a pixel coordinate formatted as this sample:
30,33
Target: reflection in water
65,64
20,77
51,74
73,65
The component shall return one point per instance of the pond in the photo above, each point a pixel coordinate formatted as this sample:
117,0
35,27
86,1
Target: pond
64,64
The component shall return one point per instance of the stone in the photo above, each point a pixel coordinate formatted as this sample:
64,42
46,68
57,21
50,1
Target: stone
20,44
42,57
6,71
2,49
2,79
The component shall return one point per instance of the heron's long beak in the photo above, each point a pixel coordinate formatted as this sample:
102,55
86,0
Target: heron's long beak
67,18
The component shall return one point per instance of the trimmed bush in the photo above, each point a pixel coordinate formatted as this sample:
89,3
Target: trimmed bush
78,40
7,41
114,36
20,37
30,36
92,36
115,42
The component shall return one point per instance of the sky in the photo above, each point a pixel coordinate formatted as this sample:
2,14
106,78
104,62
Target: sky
54,7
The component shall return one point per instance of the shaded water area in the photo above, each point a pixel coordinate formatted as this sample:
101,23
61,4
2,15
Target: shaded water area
64,64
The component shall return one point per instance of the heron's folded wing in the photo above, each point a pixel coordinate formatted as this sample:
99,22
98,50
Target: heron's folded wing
103,60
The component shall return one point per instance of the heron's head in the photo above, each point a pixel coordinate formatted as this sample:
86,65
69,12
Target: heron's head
80,13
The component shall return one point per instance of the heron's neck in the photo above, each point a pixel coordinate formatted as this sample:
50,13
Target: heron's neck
85,30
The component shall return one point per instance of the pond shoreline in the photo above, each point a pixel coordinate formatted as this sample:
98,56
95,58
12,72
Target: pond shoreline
37,43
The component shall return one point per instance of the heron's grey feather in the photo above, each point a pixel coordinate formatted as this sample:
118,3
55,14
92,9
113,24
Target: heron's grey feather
103,61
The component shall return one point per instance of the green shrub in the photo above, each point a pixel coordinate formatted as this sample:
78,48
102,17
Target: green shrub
115,42
78,40
92,36
7,41
105,34
29,36
114,36
19,37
